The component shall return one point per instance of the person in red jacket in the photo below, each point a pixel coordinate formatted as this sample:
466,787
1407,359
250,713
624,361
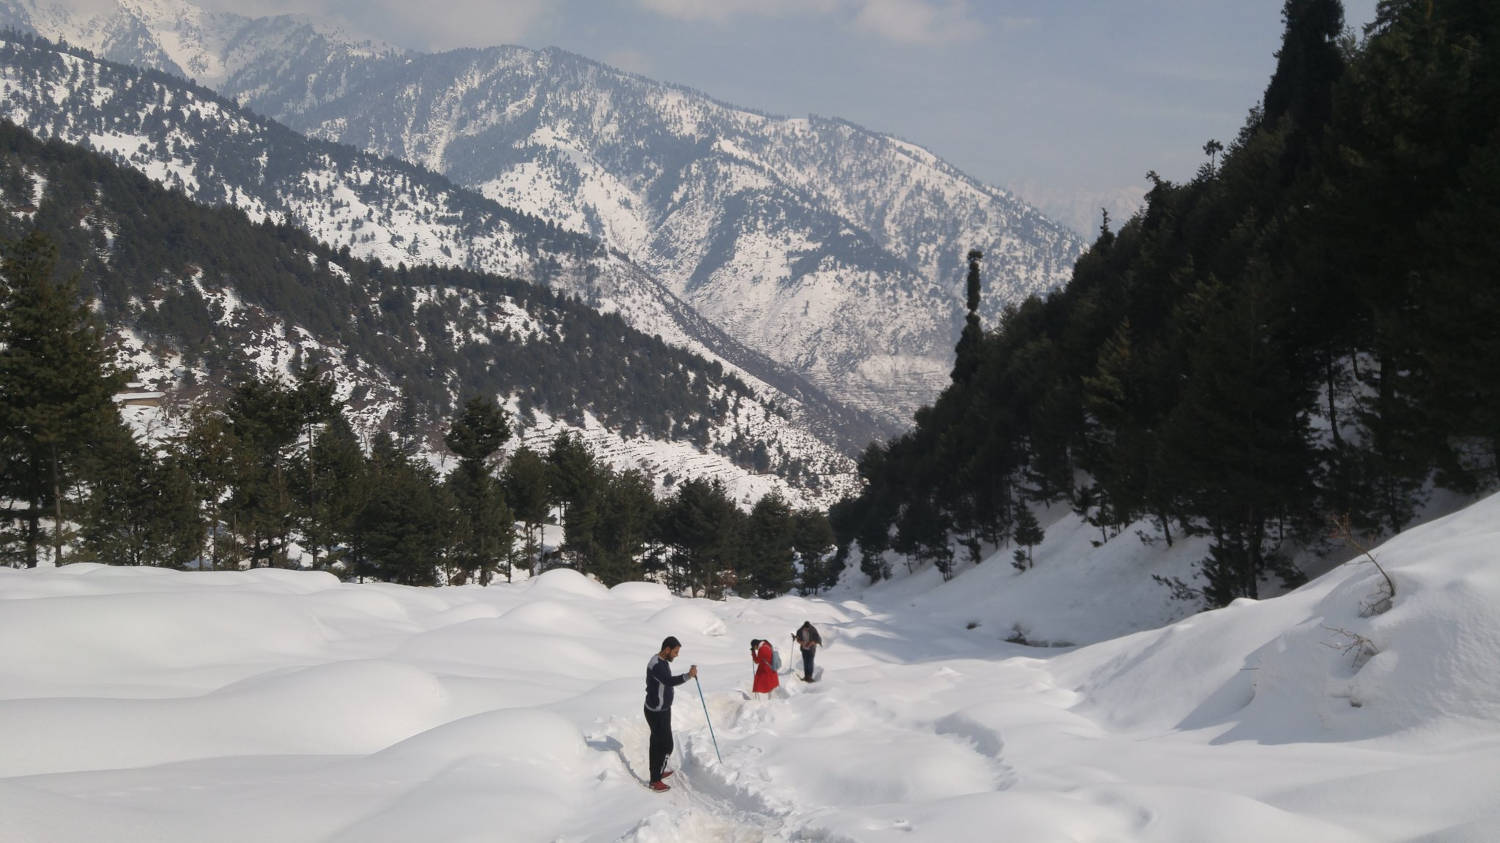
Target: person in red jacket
766,680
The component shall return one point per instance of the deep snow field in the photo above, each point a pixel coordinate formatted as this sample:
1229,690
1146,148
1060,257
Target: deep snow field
154,705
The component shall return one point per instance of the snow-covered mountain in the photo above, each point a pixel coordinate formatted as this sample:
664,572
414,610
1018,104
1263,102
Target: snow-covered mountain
835,250
212,151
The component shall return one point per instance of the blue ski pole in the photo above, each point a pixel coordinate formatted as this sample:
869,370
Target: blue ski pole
705,718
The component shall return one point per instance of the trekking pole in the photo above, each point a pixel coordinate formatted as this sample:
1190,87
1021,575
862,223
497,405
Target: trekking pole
705,718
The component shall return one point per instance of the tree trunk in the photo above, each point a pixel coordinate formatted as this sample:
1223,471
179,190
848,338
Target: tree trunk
33,532
1254,536
312,494
57,510
213,538
1384,446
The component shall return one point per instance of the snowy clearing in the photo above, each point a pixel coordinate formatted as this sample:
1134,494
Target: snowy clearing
143,704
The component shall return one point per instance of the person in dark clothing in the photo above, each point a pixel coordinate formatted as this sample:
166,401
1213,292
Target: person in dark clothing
809,640
659,685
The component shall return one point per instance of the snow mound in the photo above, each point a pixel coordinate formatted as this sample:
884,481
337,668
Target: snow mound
307,710
540,736
527,643
686,619
131,633
1327,662
642,592
566,582
362,604
286,581
510,774
466,612
552,617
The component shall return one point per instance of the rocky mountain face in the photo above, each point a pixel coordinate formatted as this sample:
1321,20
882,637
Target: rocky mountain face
835,250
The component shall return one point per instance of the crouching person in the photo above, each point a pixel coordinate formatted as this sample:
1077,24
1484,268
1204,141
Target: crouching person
763,656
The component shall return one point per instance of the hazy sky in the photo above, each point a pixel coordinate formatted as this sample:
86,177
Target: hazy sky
1067,102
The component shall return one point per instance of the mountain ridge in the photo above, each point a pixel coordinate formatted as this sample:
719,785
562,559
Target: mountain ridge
837,251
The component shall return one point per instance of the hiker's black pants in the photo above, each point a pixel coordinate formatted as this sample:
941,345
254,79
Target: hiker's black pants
661,740
807,659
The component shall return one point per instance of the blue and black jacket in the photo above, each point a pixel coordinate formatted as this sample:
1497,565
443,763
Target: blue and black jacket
660,682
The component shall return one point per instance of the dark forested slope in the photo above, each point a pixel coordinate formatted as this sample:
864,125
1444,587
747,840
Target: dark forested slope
1305,331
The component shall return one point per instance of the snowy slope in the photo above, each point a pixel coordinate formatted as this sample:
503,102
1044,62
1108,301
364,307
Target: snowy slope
172,706
184,137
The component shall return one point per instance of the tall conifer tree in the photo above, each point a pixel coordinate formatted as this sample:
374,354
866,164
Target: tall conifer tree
1308,65
769,551
966,358
56,387
486,531
525,482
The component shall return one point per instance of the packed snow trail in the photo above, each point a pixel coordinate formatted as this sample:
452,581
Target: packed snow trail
683,813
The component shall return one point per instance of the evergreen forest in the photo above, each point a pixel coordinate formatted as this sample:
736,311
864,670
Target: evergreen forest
275,476
1303,334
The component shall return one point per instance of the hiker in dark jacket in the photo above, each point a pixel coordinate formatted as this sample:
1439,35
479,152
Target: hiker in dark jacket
809,640
659,685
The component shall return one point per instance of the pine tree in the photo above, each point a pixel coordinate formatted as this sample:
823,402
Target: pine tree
1443,57
403,532
768,551
1459,345
1308,65
1028,534
484,535
866,520
922,535
813,542
141,510
264,418
577,483
966,357
570,465
627,520
479,431
56,387
1242,449
701,524
210,457
485,523
527,492
336,494
313,395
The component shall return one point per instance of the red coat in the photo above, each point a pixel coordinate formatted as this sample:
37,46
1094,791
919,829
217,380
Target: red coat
765,676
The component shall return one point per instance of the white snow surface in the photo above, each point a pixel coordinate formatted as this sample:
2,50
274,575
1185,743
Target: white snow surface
147,704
